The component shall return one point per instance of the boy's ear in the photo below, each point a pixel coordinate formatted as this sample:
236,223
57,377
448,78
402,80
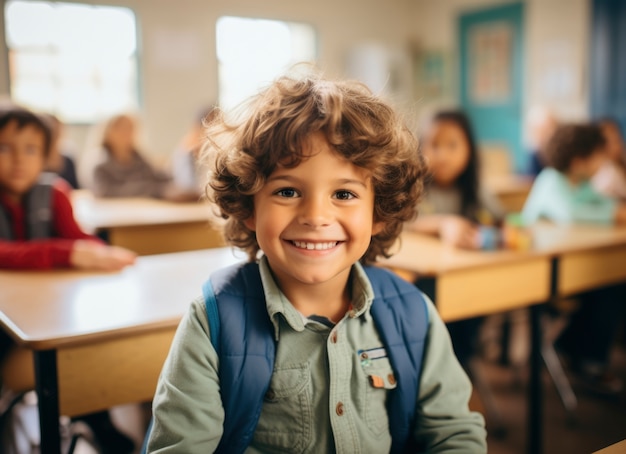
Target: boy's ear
250,223
378,227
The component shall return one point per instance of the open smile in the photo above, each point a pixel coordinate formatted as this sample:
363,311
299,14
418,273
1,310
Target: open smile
317,246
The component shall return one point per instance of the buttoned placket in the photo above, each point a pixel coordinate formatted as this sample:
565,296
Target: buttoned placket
341,417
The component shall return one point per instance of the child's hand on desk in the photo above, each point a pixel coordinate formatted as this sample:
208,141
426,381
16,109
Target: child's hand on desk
459,232
91,255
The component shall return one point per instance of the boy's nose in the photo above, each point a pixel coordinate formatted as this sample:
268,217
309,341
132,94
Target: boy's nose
315,213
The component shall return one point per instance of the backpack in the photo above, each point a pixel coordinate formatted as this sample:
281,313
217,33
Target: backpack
235,303
38,203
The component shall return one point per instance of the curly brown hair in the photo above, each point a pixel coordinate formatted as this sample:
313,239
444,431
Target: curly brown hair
360,127
571,141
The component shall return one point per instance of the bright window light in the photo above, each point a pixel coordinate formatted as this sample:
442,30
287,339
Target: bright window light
252,52
73,60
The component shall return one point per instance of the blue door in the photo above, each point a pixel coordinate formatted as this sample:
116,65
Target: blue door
491,54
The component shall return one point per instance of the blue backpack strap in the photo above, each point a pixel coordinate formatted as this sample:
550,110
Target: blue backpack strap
38,202
39,208
246,348
6,230
401,316
212,316
242,335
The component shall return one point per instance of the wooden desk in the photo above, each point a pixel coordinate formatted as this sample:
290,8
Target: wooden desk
100,339
617,448
147,226
510,189
563,261
587,256
489,282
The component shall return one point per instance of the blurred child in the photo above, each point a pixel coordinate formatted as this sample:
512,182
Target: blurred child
59,162
124,172
318,352
563,194
610,179
455,203
187,174
37,227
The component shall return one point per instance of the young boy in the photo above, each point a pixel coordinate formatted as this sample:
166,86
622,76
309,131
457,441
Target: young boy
563,193
309,355
37,227
38,230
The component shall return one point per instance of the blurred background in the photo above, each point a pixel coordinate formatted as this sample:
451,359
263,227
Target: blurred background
515,67
164,60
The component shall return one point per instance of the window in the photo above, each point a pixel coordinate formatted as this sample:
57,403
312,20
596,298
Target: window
73,60
253,52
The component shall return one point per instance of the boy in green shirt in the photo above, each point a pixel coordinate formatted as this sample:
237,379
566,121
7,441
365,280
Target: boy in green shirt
319,177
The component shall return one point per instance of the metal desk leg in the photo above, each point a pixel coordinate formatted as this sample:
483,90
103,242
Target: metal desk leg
48,400
535,410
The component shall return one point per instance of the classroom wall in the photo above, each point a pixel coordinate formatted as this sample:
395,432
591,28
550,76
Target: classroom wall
178,80
557,34
178,62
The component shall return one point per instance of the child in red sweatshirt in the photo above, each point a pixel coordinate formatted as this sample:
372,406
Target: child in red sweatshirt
38,230
37,226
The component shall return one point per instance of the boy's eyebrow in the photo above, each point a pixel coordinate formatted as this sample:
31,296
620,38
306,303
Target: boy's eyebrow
292,179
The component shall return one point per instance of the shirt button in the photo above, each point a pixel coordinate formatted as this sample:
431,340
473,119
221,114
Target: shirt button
333,337
339,409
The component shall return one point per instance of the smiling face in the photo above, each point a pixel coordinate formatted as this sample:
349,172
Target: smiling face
447,152
22,158
315,220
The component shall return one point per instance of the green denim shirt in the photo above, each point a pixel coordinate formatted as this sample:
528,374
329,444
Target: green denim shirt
322,397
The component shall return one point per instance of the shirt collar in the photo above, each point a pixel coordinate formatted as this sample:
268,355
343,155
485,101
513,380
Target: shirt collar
277,303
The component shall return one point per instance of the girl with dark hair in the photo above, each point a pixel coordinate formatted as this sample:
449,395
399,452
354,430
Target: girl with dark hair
454,204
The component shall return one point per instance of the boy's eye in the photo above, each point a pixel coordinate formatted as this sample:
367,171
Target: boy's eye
344,195
287,192
4,147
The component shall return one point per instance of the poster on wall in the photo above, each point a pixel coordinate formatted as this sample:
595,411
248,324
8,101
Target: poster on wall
490,63
433,75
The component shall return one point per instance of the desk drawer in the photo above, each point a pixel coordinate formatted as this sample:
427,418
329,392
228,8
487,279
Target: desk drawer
164,238
586,270
492,289
98,376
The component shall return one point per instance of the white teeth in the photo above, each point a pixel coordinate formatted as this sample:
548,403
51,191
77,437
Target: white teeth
315,246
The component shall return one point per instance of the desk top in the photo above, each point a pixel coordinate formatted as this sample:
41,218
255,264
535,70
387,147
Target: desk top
557,240
426,255
94,213
508,184
617,448
49,309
